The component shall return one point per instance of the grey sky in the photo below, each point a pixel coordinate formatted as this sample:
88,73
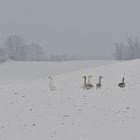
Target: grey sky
89,28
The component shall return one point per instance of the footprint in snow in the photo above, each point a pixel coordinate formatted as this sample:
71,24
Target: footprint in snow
34,124
2,127
23,96
31,109
79,110
16,93
66,116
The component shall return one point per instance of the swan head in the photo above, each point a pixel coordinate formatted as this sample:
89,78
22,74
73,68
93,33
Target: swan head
101,77
84,76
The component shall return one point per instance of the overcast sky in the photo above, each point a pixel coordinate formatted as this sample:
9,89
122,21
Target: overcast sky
87,28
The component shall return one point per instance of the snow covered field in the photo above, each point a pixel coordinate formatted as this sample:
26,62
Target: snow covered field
29,111
36,70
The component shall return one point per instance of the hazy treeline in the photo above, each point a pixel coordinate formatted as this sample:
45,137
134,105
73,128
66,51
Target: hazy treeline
15,48
129,50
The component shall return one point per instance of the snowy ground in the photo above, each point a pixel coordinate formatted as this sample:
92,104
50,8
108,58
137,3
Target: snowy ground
29,111
36,70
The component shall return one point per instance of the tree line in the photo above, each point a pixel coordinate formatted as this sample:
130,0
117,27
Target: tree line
129,50
15,48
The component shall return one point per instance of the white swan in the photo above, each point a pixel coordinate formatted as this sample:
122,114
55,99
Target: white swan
87,85
51,84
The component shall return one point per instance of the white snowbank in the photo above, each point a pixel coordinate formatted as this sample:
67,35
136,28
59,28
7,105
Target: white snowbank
14,70
30,111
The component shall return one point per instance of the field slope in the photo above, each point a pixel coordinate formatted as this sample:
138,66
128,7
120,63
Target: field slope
29,111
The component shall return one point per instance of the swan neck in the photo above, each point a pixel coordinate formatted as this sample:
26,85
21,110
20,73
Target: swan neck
100,80
84,80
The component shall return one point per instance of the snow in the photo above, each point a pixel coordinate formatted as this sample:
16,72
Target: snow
31,111
22,70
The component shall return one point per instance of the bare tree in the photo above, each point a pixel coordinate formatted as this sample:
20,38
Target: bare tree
118,51
14,44
131,47
3,55
128,51
31,52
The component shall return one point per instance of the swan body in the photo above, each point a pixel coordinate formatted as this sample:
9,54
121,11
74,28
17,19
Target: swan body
51,85
89,85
